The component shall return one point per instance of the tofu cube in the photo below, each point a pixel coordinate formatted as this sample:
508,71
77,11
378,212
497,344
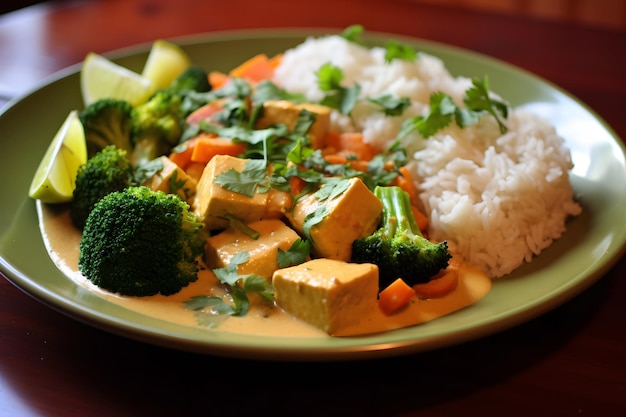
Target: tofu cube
273,235
213,201
287,113
172,179
354,214
328,294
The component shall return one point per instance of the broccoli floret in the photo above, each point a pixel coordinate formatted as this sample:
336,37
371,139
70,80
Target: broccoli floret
107,122
107,171
156,126
140,242
397,246
193,78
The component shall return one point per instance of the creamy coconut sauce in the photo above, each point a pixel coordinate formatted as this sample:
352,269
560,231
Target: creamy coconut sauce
62,241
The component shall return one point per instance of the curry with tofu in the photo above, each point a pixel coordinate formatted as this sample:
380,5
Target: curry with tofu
283,197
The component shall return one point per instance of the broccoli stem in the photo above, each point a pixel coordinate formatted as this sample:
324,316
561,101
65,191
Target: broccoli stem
397,212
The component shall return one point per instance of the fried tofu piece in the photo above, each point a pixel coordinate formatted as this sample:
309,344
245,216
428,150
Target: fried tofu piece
263,251
354,214
213,201
287,113
172,179
328,294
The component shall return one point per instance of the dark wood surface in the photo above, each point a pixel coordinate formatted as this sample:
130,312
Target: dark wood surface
568,362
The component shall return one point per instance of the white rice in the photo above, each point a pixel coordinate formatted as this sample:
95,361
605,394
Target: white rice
497,200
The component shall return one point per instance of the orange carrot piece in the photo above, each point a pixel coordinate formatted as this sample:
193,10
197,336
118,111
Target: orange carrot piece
396,295
336,159
439,286
204,112
182,158
275,61
332,141
296,184
207,147
405,181
353,144
218,79
257,68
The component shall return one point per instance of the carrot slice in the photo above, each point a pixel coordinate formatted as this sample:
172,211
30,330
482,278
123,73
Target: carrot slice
257,68
439,286
207,147
182,156
296,184
204,112
394,296
217,79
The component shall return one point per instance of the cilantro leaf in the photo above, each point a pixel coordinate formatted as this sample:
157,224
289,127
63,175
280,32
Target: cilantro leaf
237,224
353,34
398,50
253,175
297,253
392,106
477,99
312,219
441,113
267,90
338,97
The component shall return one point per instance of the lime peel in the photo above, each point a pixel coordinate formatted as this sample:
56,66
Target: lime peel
55,178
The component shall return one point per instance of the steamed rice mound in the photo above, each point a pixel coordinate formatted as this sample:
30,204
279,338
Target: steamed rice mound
497,199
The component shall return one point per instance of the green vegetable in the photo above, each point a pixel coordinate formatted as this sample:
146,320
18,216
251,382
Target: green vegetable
107,122
149,130
139,242
211,310
354,34
297,253
338,97
157,126
398,50
193,79
107,171
443,111
398,247
392,106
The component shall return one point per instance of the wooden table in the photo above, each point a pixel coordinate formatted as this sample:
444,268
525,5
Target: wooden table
569,362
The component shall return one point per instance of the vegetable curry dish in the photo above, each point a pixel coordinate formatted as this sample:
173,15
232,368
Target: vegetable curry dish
299,194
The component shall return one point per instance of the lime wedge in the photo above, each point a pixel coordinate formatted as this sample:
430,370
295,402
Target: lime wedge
103,78
54,180
165,62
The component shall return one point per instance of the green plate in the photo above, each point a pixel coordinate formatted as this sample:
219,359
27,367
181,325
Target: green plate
593,243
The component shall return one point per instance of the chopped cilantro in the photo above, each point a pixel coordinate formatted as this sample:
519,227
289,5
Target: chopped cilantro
239,287
341,98
477,99
297,253
398,50
443,110
252,179
353,34
392,106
